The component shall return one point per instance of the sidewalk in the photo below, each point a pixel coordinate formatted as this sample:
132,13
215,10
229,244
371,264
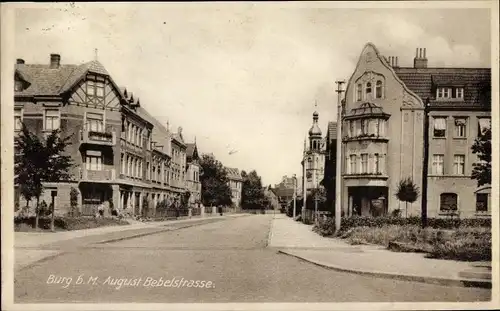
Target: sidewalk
298,240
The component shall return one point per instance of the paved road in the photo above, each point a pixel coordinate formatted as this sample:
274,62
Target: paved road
231,254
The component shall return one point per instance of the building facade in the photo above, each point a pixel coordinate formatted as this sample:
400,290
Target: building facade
122,155
383,135
193,184
235,183
330,172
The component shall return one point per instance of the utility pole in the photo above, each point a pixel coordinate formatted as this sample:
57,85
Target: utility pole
338,160
294,196
304,194
425,167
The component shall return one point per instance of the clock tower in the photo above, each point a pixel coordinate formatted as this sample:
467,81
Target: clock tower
314,156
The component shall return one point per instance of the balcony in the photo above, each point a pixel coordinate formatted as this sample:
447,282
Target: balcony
97,176
104,138
364,137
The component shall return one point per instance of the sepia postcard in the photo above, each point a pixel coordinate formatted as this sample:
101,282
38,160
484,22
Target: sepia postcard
332,155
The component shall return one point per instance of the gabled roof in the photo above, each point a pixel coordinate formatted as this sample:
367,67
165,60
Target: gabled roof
191,151
424,81
54,81
233,173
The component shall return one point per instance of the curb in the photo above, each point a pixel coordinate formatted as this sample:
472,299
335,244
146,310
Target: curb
156,231
415,278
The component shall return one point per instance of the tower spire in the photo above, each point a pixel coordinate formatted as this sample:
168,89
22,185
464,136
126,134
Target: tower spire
95,54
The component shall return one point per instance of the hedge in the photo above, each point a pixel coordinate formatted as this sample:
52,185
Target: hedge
68,223
328,227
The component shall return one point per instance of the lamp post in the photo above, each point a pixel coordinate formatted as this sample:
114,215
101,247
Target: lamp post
294,196
425,167
338,179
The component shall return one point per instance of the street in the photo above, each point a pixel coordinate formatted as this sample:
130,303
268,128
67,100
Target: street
230,256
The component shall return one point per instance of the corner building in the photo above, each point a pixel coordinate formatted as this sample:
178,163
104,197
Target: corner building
383,129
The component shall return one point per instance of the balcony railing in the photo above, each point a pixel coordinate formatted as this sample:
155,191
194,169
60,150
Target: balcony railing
93,175
107,138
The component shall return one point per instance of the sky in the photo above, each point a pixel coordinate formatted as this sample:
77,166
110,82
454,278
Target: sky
244,77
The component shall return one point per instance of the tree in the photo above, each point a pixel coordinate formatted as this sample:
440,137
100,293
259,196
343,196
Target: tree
407,191
482,148
252,194
38,161
214,182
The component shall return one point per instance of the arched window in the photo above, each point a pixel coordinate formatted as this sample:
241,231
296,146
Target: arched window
378,89
359,92
368,89
449,202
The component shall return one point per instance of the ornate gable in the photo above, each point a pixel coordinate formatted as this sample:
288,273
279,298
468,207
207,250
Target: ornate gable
97,92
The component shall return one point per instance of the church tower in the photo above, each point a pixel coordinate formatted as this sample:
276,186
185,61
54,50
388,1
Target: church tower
314,156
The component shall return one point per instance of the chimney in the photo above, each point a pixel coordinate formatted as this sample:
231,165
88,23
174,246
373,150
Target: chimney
420,60
20,61
55,61
393,61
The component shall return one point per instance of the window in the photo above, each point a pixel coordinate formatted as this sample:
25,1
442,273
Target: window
359,92
437,164
448,202
381,128
378,89
439,127
481,202
352,162
460,127
95,89
376,166
129,166
351,128
364,163
95,122
368,89
51,119
122,164
459,92
18,119
18,86
93,163
444,92
364,127
483,125
459,164
148,174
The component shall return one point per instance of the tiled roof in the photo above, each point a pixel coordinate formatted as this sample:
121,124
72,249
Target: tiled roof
365,108
332,131
54,81
233,173
190,149
423,82
160,134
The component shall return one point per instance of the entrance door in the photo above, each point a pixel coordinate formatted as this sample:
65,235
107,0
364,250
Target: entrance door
137,207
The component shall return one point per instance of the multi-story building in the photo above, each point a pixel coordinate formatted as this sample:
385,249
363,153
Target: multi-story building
285,190
235,183
121,154
193,184
314,157
383,135
179,164
329,179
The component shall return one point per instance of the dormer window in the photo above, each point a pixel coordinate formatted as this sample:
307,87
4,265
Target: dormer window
368,89
450,93
378,89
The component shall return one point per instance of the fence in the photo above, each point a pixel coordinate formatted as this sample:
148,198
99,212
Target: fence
172,213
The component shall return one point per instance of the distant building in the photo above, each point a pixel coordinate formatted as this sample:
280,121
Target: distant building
235,183
193,184
383,130
272,198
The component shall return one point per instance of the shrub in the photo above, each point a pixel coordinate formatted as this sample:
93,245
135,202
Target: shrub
466,244
67,223
325,227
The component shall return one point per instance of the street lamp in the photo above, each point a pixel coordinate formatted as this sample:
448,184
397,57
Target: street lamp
338,179
294,196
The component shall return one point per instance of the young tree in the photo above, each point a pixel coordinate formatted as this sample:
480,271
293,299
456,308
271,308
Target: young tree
407,192
38,161
252,194
214,182
482,148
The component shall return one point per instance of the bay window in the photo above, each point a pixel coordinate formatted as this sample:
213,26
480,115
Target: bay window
93,163
95,122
